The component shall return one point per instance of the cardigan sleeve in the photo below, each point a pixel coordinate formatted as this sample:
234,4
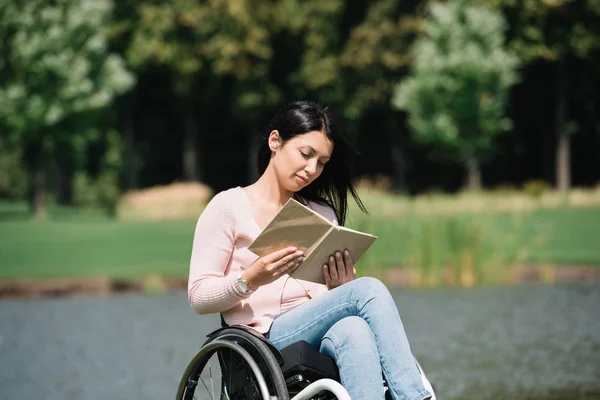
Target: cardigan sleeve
210,290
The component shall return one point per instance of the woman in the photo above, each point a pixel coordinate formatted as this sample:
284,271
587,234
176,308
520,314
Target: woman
355,321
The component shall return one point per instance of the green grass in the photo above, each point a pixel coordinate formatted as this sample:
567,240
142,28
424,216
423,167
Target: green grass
74,243
560,236
572,236
86,244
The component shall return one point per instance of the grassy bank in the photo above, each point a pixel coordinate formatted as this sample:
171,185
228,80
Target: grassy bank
470,238
466,246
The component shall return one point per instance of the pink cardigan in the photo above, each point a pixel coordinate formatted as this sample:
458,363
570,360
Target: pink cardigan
220,250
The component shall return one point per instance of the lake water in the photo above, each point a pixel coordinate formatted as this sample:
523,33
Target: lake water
520,342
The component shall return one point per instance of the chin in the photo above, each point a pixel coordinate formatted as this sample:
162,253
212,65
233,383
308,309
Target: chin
294,186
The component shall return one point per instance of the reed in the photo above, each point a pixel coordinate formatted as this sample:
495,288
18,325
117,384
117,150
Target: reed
445,242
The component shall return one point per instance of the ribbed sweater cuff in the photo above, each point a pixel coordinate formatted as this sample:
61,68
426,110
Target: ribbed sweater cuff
216,294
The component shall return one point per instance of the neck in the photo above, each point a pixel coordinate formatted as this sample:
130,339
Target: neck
270,191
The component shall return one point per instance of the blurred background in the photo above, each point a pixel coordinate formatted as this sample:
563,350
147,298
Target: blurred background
477,128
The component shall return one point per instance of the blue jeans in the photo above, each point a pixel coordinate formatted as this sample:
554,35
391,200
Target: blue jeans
358,325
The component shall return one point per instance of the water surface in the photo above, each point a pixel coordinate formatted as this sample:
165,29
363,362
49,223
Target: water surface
521,342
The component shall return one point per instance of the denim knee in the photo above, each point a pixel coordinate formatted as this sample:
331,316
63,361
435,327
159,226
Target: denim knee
351,331
370,286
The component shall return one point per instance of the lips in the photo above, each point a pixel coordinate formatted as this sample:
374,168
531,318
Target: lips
302,179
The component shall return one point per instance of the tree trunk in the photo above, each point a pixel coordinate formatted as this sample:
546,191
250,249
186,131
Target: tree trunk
563,145
254,143
398,155
473,174
38,182
190,149
62,179
399,163
131,157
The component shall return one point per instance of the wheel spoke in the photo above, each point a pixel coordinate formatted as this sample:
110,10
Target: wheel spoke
212,384
249,379
206,387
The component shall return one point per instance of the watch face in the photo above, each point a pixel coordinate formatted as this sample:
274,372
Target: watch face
244,285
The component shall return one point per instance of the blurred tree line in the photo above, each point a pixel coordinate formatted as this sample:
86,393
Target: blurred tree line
101,96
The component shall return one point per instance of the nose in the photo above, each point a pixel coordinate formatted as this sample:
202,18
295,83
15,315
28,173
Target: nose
311,167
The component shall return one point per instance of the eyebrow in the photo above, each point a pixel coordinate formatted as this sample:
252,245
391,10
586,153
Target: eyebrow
314,151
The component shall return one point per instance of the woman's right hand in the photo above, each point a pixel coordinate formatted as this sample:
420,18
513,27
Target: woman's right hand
272,266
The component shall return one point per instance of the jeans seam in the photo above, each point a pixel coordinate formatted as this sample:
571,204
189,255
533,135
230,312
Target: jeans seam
336,356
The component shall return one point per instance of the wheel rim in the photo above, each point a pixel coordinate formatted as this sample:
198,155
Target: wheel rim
223,370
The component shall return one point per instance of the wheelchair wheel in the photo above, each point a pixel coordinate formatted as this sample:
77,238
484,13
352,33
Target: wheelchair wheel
233,365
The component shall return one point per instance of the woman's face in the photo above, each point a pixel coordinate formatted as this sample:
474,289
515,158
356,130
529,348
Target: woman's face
300,160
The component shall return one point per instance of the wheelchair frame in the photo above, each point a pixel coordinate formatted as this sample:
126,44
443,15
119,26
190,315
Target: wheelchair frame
250,345
262,358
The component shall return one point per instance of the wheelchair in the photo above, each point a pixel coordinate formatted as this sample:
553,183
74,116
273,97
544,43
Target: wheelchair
239,363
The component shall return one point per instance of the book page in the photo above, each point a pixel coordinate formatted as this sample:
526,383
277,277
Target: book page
295,225
338,239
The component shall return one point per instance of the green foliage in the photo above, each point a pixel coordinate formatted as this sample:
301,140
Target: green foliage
58,77
316,25
103,191
535,188
376,52
56,67
552,29
13,177
457,90
467,249
202,39
227,63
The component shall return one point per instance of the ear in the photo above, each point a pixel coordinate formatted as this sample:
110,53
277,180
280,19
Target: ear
274,140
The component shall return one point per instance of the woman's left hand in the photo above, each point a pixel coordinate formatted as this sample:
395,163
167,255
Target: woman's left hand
339,270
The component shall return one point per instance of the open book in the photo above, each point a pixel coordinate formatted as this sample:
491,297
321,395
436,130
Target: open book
299,226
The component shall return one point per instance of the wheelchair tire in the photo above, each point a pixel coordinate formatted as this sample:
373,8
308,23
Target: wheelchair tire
237,380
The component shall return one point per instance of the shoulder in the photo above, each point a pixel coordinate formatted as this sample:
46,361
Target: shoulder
225,202
230,197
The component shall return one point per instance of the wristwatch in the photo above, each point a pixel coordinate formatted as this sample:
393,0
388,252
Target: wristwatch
243,285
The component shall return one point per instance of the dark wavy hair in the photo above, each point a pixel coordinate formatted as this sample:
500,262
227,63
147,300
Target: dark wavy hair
335,182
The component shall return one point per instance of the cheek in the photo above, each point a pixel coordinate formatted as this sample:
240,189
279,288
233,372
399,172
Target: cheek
295,160
290,161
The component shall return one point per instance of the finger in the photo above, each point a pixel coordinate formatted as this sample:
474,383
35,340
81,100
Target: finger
290,267
341,268
333,269
327,275
279,254
287,259
349,264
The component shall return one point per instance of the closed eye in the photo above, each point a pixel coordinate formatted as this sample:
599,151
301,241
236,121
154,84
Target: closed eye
308,155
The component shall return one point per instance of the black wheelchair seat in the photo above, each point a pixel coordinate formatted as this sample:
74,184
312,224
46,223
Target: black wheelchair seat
300,358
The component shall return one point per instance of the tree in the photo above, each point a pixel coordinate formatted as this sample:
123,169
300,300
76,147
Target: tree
557,32
204,46
456,92
57,78
376,54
